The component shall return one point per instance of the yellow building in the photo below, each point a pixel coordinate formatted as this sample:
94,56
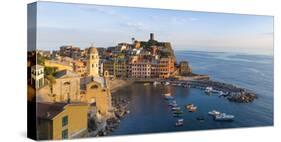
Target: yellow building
116,67
95,91
61,120
59,65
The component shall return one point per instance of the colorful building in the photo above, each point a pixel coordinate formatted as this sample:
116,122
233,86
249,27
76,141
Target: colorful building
61,120
70,51
166,67
141,69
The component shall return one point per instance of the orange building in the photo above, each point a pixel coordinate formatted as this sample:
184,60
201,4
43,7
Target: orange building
166,67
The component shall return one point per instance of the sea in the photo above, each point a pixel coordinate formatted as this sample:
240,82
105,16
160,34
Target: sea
150,113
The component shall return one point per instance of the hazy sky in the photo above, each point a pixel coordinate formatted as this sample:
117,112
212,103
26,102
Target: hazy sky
82,25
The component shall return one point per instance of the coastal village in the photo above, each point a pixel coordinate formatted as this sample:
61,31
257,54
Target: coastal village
72,86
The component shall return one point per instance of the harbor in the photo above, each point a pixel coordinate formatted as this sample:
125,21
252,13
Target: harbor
231,92
150,111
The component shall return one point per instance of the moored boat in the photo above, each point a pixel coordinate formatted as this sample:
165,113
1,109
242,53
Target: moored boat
192,109
208,89
155,83
214,112
224,117
188,106
167,94
179,122
177,112
146,84
176,108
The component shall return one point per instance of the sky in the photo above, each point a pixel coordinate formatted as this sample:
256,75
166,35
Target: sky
84,25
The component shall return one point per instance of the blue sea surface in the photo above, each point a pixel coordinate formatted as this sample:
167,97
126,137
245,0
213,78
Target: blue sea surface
150,112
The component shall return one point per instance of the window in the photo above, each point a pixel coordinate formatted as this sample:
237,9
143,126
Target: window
64,121
64,134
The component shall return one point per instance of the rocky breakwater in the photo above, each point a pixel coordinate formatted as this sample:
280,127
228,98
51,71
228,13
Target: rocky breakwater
242,97
120,105
231,92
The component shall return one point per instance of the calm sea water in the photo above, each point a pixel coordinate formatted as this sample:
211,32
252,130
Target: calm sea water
150,112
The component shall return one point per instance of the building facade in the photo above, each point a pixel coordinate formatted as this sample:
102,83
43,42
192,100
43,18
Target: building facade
37,76
66,87
94,90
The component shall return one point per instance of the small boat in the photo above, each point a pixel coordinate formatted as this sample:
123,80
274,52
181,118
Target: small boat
186,86
173,104
177,112
208,89
176,108
192,109
177,115
179,122
155,83
175,84
214,113
167,83
167,94
222,94
146,84
188,106
224,117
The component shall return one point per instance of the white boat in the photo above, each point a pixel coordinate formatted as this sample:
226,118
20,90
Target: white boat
224,117
146,84
167,94
208,89
155,83
214,113
221,93
179,122
167,83
176,108
192,109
